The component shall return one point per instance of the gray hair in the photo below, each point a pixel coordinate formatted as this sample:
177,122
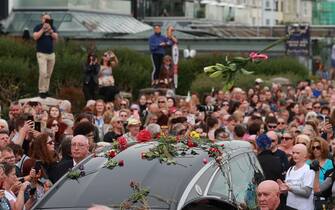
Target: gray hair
154,129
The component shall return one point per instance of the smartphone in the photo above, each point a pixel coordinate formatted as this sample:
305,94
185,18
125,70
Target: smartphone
37,126
30,118
50,21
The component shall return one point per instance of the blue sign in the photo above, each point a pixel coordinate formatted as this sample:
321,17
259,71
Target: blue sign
298,41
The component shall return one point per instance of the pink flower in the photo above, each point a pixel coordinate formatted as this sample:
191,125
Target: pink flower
255,56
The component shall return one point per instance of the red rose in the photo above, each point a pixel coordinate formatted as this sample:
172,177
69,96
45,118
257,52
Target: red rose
205,161
123,143
112,154
121,163
144,136
190,143
143,156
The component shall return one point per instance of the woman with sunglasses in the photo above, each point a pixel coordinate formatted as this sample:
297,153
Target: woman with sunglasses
106,80
43,158
319,150
57,128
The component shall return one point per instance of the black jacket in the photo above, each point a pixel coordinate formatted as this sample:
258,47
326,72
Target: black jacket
62,168
91,73
271,165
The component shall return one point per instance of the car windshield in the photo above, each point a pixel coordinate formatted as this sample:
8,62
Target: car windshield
244,172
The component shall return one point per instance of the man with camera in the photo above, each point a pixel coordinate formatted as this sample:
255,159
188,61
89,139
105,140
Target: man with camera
44,34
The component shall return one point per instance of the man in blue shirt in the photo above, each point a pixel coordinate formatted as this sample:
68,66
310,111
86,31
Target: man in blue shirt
44,34
157,44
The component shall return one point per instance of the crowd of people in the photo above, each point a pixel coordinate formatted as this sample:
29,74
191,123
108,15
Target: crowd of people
290,128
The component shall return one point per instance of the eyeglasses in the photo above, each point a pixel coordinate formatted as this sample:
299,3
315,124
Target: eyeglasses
316,107
55,124
281,123
9,158
272,126
51,142
123,104
309,108
78,145
105,55
123,115
316,147
286,138
119,122
161,102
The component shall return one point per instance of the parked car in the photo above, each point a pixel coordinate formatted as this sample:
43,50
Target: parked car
191,183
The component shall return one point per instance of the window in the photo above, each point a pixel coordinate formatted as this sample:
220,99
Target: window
245,173
267,22
267,5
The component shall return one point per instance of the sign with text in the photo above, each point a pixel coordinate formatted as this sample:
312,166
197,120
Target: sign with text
298,41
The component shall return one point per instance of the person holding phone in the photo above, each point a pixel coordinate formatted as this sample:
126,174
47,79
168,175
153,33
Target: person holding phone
44,35
91,71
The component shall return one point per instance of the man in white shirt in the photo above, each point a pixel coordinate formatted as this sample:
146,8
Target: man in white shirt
299,181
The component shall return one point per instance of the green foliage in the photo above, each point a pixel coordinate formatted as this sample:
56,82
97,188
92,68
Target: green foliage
133,72
280,65
19,69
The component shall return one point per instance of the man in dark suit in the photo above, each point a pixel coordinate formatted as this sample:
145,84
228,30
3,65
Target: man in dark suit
79,151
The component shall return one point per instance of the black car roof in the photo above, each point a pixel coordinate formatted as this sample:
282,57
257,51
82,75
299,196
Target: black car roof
111,187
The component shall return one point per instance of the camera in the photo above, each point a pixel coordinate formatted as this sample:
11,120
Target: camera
207,108
315,165
49,21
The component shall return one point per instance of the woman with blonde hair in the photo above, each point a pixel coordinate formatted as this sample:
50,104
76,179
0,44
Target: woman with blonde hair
106,80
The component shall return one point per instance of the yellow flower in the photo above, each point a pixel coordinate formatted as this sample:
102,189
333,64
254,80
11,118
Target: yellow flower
195,135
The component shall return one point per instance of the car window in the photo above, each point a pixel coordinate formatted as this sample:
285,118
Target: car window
244,171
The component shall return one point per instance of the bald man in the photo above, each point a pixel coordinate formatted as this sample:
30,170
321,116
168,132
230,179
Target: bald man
299,181
79,148
79,151
277,152
268,195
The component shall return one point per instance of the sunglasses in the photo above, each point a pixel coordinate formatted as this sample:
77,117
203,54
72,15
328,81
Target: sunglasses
272,126
105,55
316,107
119,122
316,147
286,138
55,124
281,123
161,102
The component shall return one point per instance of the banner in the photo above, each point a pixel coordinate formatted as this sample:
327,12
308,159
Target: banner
298,41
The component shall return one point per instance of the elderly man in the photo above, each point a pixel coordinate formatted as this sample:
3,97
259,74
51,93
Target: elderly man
299,181
44,34
79,151
268,195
